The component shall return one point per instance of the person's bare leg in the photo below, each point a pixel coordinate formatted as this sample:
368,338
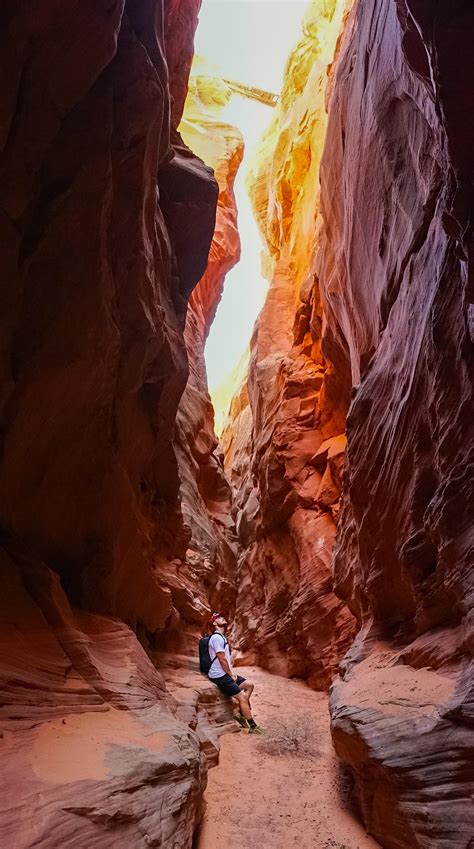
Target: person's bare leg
247,689
244,705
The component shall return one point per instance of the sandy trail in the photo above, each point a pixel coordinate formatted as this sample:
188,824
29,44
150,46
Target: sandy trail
263,797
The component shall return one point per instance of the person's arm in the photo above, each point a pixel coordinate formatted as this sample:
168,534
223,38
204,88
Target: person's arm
225,664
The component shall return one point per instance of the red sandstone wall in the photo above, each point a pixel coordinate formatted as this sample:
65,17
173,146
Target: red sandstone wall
384,320
94,360
394,268
98,262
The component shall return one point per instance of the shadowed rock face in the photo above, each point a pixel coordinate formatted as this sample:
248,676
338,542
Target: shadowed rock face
394,267
105,227
94,360
285,439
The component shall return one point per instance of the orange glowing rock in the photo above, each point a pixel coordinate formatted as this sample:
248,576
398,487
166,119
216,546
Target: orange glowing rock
291,621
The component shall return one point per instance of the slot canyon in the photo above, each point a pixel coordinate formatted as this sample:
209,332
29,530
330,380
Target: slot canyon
331,518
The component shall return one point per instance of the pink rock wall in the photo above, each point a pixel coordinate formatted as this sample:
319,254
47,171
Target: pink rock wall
93,752
394,267
99,261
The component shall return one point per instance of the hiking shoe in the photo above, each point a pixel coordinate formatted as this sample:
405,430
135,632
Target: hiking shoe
256,729
241,720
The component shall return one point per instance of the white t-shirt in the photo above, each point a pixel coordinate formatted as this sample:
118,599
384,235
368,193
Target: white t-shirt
216,643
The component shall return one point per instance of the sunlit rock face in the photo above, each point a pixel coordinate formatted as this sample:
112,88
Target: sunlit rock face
394,268
97,263
285,438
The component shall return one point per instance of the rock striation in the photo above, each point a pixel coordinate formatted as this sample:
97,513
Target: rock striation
395,272
285,439
106,223
94,751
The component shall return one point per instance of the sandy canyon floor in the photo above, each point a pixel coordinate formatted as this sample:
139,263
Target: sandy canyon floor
284,789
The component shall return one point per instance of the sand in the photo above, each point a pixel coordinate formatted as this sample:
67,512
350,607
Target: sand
285,789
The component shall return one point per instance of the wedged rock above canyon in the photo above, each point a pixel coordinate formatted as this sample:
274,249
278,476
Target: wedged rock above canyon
287,482
393,268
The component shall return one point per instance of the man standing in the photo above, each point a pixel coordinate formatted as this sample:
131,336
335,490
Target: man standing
222,674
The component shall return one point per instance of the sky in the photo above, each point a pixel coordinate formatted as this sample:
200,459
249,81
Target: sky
248,41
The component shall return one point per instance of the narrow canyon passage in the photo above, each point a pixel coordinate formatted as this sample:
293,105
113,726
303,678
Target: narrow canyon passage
286,789
331,523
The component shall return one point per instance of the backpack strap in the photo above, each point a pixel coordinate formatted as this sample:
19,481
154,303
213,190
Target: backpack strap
225,644
221,635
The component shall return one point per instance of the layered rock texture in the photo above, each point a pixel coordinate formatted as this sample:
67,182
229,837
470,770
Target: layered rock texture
94,357
105,228
395,271
95,752
285,438
116,516
377,271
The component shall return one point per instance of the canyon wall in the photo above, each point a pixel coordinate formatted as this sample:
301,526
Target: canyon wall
106,222
369,312
395,274
94,360
285,440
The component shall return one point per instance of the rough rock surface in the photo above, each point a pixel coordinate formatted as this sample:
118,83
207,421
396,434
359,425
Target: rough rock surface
395,273
106,220
285,439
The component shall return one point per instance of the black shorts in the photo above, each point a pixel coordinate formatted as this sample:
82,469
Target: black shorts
227,685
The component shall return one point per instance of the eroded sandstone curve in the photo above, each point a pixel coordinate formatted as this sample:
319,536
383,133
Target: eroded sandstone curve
394,266
105,227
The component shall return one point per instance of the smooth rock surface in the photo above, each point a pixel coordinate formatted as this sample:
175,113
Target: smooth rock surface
394,267
93,750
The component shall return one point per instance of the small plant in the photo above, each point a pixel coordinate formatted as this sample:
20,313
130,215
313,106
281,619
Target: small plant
290,737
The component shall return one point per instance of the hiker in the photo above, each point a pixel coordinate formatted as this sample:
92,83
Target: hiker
222,674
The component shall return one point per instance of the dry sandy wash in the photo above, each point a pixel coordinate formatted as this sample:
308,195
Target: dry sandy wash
261,795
